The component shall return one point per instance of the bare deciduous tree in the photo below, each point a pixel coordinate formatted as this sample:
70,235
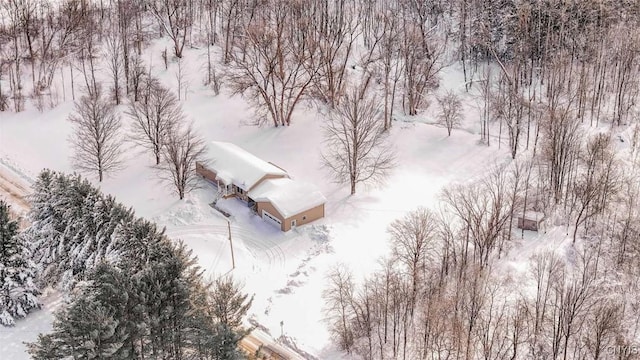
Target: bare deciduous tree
628,228
508,107
561,135
484,208
137,76
450,111
574,294
214,78
624,58
545,270
336,30
183,82
356,145
412,239
230,11
423,53
595,182
605,321
275,64
96,138
492,324
113,54
390,65
175,18
12,12
87,47
181,151
154,116
472,299
338,297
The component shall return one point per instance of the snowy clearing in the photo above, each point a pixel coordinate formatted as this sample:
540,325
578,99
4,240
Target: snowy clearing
284,270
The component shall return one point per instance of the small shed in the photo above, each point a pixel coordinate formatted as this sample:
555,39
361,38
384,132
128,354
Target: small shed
530,220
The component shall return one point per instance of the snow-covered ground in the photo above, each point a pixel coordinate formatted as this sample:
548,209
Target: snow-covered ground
26,330
285,271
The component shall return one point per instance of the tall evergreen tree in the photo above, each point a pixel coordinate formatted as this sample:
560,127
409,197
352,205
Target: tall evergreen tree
72,227
8,230
229,303
225,343
86,329
18,293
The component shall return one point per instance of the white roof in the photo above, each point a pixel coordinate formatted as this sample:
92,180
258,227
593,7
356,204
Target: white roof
531,215
289,197
233,164
224,177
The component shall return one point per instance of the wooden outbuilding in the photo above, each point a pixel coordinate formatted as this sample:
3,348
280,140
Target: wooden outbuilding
531,220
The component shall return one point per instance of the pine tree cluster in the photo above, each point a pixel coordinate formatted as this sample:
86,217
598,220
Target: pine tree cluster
73,228
136,294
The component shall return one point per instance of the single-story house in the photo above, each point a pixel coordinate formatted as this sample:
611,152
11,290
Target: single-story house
267,188
530,220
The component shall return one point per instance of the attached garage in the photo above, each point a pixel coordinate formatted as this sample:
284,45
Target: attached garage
271,219
288,203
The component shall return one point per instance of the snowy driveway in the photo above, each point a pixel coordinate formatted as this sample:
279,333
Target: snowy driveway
261,247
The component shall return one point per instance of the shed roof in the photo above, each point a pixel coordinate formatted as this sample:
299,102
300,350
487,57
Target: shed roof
289,197
531,215
233,164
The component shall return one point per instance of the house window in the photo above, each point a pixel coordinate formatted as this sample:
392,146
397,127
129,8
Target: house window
304,217
293,223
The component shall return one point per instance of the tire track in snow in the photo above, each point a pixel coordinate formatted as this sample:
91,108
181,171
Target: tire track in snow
258,246
13,189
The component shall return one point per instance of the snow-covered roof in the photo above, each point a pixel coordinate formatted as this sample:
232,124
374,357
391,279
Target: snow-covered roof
531,215
224,177
289,197
233,164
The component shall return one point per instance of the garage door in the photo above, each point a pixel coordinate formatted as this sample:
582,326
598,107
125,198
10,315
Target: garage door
271,219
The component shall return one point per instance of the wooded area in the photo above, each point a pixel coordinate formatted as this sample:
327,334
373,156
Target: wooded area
555,82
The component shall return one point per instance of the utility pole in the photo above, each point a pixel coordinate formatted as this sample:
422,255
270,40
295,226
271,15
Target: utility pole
233,260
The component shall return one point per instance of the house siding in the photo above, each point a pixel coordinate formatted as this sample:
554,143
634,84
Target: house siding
529,224
309,215
205,173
